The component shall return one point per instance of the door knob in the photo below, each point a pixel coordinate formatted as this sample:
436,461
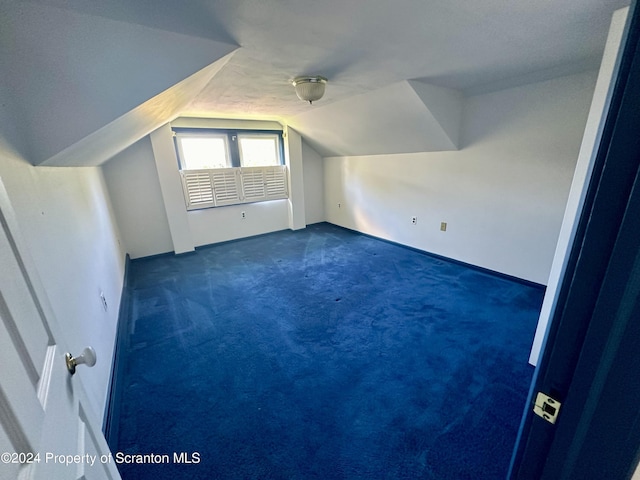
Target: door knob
87,357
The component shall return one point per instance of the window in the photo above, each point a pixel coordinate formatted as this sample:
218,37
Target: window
198,152
228,167
258,150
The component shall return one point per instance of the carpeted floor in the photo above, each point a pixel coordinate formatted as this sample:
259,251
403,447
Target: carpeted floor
322,354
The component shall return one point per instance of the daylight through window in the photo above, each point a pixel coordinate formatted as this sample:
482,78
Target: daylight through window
225,167
198,152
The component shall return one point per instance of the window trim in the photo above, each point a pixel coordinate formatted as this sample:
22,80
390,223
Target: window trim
233,149
235,184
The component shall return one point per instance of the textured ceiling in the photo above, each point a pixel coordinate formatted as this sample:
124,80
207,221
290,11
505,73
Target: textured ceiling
363,45
100,61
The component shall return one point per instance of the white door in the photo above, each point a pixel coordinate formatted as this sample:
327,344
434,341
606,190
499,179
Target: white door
46,428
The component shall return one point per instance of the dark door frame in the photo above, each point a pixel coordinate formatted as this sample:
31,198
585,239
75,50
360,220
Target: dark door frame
591,361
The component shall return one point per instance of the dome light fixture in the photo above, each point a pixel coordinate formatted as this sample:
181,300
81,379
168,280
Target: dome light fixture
309,88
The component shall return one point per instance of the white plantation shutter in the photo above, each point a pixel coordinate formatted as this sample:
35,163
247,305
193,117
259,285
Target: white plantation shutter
276,182
226,188
253,188
230,186
197,189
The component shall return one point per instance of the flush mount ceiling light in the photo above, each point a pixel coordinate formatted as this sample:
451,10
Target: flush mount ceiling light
310,88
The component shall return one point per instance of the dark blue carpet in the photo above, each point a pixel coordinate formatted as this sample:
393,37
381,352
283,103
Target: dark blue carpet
323,353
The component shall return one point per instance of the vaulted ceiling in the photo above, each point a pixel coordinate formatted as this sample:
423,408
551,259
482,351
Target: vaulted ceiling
86,79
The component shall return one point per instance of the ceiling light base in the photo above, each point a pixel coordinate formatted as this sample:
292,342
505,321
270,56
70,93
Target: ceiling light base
309,88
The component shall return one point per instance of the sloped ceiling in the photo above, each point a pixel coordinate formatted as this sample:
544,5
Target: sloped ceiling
103,144
72,74
75,67
404,117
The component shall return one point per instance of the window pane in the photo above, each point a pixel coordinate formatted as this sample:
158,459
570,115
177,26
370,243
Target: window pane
259,150
203,152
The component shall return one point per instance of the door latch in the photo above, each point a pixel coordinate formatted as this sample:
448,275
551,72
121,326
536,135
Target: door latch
546,407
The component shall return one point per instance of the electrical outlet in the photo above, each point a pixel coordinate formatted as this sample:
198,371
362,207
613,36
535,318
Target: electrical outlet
414,220
443,226
104,301
244,215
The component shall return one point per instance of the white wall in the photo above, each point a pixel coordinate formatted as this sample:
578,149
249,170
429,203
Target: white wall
66,219
313,185
294,162
582,174
213,225
132,180
502,194
166,160
636,474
